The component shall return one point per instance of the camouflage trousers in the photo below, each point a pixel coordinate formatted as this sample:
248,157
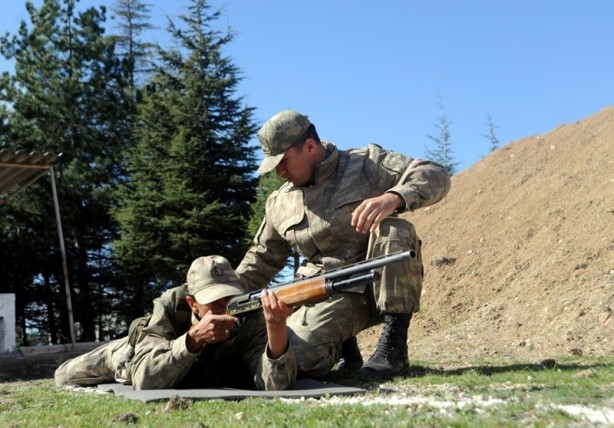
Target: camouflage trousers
317,331
107,363
400,287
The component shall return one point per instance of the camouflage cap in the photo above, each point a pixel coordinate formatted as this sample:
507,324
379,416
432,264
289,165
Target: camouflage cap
278,134
211,278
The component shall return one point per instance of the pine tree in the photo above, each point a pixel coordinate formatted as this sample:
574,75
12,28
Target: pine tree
28,259
67,95
442,153
491,136
267,183
192,170
132,20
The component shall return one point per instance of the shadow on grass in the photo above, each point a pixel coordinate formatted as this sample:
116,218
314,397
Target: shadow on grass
489,370
350,378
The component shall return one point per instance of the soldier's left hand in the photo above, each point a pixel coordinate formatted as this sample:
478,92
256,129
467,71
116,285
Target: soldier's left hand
370,213
275,311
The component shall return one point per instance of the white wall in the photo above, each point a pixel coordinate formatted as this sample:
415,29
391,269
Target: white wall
7,322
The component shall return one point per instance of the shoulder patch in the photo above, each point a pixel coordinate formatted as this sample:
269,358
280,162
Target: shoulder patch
396,162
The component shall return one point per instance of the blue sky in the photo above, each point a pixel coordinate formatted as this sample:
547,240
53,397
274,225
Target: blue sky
376,71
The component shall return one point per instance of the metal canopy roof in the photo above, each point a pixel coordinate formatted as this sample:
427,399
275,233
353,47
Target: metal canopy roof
20,169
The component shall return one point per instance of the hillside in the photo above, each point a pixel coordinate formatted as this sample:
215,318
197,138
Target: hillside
519,257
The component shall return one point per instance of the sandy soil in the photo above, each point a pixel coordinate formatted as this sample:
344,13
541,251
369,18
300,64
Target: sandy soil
519,257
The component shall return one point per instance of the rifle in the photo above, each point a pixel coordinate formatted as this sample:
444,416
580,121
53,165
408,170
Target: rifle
317,288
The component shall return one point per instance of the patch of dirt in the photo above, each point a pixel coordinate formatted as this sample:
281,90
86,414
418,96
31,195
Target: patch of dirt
519,257
14,367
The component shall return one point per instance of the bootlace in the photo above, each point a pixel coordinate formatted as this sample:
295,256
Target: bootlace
384,344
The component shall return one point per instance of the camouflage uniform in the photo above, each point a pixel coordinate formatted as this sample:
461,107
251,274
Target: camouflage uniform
105,364
315,220
162,360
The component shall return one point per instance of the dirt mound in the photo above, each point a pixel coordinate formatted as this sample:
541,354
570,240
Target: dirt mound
519,256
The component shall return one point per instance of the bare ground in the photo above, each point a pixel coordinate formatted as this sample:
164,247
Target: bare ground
40,366
519,256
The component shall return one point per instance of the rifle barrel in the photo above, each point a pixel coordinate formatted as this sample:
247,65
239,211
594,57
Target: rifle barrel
354,281
374,263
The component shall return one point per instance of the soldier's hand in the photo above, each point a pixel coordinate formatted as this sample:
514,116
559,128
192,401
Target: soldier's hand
275,311
370,213
210,329
275,314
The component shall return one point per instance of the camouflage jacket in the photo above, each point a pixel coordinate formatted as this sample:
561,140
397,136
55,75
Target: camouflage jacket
315,219
162,359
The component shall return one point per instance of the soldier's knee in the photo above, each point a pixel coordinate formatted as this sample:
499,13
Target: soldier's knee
316,359
396,230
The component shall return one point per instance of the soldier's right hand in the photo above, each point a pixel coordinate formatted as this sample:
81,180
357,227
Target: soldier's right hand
210,329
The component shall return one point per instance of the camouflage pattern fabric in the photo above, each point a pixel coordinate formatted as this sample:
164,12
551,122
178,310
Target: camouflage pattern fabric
400,287
161,359
107,363
317,330
315,221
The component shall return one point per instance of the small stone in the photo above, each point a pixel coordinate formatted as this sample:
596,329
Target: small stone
548,362
175,402
443,260
129,418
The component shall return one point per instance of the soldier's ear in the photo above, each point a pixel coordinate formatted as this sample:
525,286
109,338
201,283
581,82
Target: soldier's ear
191,301
309,144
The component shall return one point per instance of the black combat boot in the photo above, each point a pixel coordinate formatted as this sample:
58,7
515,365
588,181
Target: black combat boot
390,358
351,358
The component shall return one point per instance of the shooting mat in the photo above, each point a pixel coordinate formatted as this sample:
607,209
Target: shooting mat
308,388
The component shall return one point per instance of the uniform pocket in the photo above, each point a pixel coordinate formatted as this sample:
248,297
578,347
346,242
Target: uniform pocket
344,203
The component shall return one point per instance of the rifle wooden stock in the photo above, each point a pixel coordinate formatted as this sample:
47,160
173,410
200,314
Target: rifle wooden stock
318,288
301,292
310,290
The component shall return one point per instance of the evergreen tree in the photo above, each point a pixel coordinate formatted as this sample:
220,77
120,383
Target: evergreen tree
27,259
442,153
192,170
67,95
267,184
491,136
132,20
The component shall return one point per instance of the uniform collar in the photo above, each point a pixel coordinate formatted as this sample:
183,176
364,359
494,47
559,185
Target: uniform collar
325,169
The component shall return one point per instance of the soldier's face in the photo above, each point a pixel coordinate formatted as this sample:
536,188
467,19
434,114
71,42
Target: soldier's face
217,307
297,165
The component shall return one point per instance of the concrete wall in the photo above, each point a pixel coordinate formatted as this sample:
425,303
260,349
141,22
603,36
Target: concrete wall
7,322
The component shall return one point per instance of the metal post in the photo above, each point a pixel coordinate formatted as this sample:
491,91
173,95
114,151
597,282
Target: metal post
71,321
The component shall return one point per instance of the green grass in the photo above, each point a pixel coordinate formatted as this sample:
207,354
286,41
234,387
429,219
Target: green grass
483,394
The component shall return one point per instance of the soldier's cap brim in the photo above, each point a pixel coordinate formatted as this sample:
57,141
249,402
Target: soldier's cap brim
270,162
216,292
